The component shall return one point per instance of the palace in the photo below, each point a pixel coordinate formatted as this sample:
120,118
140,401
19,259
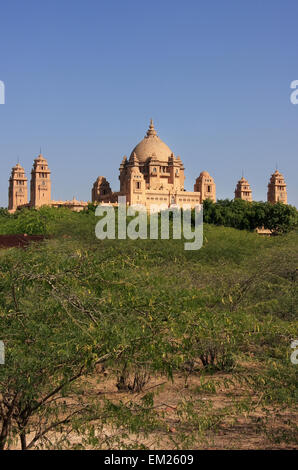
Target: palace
152,175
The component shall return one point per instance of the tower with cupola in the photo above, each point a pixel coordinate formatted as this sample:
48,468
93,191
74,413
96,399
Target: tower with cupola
17,191
243,190
40,186
277,189
205,185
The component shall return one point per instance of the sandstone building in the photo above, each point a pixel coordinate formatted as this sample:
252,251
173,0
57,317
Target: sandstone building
40,188
17,190
205,186
40,185
153,175
243,190
277,188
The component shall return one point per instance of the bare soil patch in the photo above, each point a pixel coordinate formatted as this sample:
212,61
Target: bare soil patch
19,240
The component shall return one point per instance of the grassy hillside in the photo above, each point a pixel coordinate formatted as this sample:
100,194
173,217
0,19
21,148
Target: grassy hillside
143,344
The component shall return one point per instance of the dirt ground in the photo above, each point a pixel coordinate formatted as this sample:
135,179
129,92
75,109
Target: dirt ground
251,430
245,431
20,240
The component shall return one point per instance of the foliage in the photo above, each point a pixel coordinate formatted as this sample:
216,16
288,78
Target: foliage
245,215
76,311
4,212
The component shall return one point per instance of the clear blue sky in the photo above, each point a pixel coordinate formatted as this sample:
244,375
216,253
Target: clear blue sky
83,78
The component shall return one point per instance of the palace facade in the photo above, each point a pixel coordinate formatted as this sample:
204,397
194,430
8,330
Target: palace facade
152,175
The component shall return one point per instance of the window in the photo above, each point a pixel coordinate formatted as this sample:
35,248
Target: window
138,185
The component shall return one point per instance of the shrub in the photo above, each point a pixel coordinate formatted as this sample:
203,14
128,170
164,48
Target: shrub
243,215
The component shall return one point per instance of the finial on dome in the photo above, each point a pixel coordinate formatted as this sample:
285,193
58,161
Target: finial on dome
151,130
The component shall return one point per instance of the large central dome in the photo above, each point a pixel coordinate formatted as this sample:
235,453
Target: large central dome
152,144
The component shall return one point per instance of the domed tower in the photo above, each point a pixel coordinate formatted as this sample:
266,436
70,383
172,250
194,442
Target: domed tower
152,176
40,186
17,192
277,188
205,185
156,161
243,190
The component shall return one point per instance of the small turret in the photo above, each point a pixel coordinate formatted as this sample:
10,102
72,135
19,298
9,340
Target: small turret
243,190
277,189
205,185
